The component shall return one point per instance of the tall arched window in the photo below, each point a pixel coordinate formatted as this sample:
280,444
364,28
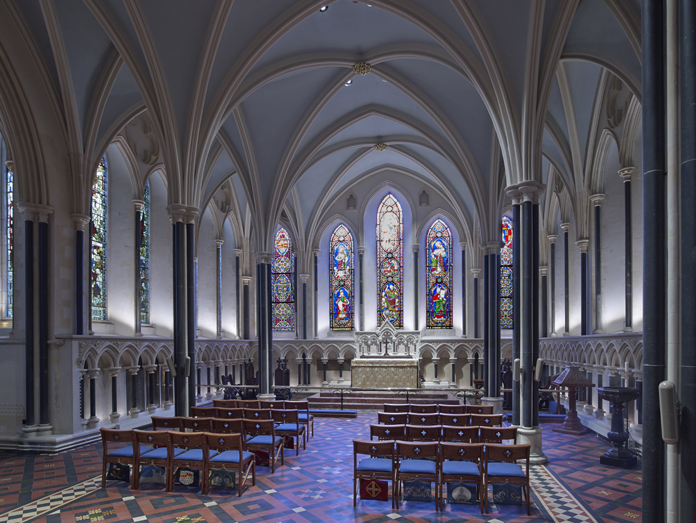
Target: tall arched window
9,239
98,237
283,283
506,276
341,282
390,262
438,276
145,258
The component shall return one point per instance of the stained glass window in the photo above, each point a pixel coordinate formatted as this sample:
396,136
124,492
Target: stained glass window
9,235
145,258
390,262
438,276
341,282
283,283
99,216
506,276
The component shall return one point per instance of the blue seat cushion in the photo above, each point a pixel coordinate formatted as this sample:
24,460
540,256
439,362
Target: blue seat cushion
127,452
264,440
511,470
460,468
418,466
230,456
161,453
288,427
375,465
190,455
303,417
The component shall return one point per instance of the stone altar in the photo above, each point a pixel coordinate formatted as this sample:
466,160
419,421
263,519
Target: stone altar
384,373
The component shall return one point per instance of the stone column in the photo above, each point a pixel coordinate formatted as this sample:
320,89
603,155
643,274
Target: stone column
566,279
416,286
340,370
218,286
150,369
584,245
238,292
134,411
264,325
199,395
475,273
181,389
246,281
543,272
304,278
29,429
191,296
491,324
113,373
361,253
324,361
315,295
597,200
138,239
453,365
92,374
166,379
209,395
436,380
552,267
625,174
81,222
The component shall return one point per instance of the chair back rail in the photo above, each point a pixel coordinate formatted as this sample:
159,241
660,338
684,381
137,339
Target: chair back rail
459,420
228,425
479,409
487,420
203,412
197,424
423,432
392,418
387,432
467,451
229,413
423,409
165,423
460,434
451,409
424,419
225,404
497,434
257,414
396,407
272,404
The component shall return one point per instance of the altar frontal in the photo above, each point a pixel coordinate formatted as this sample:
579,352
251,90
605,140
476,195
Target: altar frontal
384,373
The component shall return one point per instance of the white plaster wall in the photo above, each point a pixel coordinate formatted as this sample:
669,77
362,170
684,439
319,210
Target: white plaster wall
161,276
207,276
229,283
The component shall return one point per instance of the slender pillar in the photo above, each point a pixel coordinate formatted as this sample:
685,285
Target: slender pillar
516,197
43,323
464,297
315,300
113,373
340,371
264,326
543,272
491,319
167,385
475,273
527,314
453,365
361,253
324,361
29,318
151,406
181,391
134,390
654,234
566,279
207,377
246,281
191,292
552,267
584,245
597,200
625,173
415,286
687,189
238,292
138,241
234,373
535,308
81,226
92,375
218,285
199,366
304,278
486,320
435,362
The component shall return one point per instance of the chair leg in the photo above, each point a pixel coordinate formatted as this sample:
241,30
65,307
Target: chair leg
355,491
136,476
104,472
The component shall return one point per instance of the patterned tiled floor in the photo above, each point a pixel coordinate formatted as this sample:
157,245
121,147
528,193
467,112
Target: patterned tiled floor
316,486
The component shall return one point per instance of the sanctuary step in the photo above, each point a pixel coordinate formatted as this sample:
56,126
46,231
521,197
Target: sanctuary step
376,400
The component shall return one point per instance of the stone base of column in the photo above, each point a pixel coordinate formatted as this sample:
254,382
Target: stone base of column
167,405
114,417
452,385
436,380
29,431
199,398
46,429
152,409
209,396
532,436
628,329
496,402
266,397
91,422
341,380
599,414
134,412
589,409
324,383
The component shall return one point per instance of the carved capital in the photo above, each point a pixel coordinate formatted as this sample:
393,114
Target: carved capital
304,278
416,248
543,271
597,199
133,370
138,204
246,280
113,371
10,165
626,173
475,272
583,245
492,247
529,190
565,226
32,211
264,257
462,245
93,373
182,213
81,221
553,238
238,253
219,242
515,195
361,250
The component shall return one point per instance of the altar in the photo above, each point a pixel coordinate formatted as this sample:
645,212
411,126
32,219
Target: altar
384,373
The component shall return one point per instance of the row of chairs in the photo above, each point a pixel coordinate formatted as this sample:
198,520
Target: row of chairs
443,433
441,463
285,423
173,450
440,408
459,420
226,409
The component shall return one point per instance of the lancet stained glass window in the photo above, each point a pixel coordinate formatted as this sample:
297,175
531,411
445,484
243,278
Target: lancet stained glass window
506,276
438,276
9,238
390,262
99,216
283,283
145,258
341,282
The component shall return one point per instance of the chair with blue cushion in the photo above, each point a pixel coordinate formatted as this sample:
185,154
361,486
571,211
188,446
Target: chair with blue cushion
462,463
387,432
228,426
460,434
227,453
487,420
263,437
423,432
289,425
432,418
423,408
457,420
395,407
229,412
500,467
392,418
150,448
272,404
203,412
305,417
195,454
165,423
225,404
380,464
410,466
498,434
197,424
257,414
118,448
451,409
479,409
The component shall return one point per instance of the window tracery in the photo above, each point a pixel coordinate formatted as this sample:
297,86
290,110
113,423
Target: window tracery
439,276
506,276
99,215
283,282
390,262
341,280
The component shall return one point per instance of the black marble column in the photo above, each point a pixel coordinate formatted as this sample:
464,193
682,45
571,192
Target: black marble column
527,318
191,304
491,319
535,309
81,223
687,392
134,391
654,263
247,326
44,384
361,252
476,273
138,240
151,387
315,301
625,173
218,285
453,364
181,393
597,200
415,287
566,279
198,381
516,301
324,362
237,292
264,324
92,395
584,285
29,318
544,303
114,392
552,278
486,320
167,384
207,377
304,306
464,297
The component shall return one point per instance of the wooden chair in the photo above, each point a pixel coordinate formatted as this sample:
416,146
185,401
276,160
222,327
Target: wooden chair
423,432
248,404
422,409
118,448
460,434
225,404
257,414
451,409
462,463
203,412
411,466
500,467
263,437
228,426
162,423
194,456
272,404
230,456
392,418
487,420
305,417
456,420
387,432
230,413
157,454
197,424
396,407
498,434
424,419
380,464
289,425
479,409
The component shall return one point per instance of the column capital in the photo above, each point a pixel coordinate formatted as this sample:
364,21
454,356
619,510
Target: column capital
583,245
304,278
81,221
435,359
529,190
543,271
238,252
415,247
316,252
565,226
462,245
553,238
264,257
340,361
361,250
597,199
10,165
150,368
219,242
475,272
515,195
199,364
113,371
325,360
182,213
138,204
133,369
32,211
246,280
93,373
492,247
626,172
453,360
